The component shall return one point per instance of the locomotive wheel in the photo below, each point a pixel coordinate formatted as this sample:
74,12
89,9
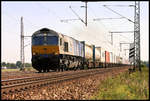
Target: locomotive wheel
58,69
65,67
62,68
39,71
44,70
75,68
47,70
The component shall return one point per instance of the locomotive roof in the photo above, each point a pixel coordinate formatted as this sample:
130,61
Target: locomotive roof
45,30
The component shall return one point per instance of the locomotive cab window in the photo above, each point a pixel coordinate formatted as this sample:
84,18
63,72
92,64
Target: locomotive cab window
44,40
66,46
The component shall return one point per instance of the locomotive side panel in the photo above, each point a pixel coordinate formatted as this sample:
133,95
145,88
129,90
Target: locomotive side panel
61,43
71,46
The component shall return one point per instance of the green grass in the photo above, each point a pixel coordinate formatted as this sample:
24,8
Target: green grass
9,70
12,70
124,86
29,69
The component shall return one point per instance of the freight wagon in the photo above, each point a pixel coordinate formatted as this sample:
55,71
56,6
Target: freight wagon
54,51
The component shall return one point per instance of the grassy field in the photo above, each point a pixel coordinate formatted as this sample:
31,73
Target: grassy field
9,70
134,86
12,70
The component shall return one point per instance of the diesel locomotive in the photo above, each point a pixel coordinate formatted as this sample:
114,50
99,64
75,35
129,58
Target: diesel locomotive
54,51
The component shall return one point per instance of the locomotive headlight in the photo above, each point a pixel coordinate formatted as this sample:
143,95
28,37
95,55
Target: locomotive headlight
34,53
56,53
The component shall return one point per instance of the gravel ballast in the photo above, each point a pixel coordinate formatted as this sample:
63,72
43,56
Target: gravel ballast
77,89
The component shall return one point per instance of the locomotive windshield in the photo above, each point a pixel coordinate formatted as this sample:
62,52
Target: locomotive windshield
44,40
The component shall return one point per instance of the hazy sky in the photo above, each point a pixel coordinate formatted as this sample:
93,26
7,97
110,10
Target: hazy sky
37,15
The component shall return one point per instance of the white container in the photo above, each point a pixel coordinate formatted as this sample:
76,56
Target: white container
102,55
97,53
88,52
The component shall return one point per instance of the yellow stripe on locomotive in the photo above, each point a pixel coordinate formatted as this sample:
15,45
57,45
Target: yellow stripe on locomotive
42,49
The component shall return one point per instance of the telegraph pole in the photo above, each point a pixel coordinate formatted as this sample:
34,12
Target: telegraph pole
85,22
22,46
111,38
137,36
85,13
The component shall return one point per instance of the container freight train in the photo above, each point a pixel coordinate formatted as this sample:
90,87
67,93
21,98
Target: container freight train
54,51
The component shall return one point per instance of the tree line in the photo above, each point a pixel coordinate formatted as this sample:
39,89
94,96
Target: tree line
18,64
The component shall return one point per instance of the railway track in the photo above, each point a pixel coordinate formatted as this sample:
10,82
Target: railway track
19,84
5,76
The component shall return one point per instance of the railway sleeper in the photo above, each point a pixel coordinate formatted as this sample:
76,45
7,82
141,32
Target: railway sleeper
4,92
16,90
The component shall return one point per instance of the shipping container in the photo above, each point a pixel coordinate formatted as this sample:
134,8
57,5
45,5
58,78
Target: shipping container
107,57
121,59
114,58
89,52
102,55
125,61
111,57
117,59
97,53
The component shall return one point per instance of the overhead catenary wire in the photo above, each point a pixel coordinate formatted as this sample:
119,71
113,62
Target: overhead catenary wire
118,13
14,18
122,5
82,21
105,38
50,11
76,14
90,34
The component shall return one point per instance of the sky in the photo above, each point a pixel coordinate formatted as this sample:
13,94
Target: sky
37,15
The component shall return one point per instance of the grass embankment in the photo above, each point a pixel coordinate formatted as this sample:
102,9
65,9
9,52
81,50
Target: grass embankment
12,70
9,70
125,86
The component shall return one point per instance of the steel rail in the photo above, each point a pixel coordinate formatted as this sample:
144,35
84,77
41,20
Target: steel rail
30,84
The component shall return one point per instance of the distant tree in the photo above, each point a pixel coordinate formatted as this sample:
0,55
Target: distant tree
12,65
3,64
28,65
144,63
18,64
7,64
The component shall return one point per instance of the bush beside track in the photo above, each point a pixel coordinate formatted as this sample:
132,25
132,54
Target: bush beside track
125,86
